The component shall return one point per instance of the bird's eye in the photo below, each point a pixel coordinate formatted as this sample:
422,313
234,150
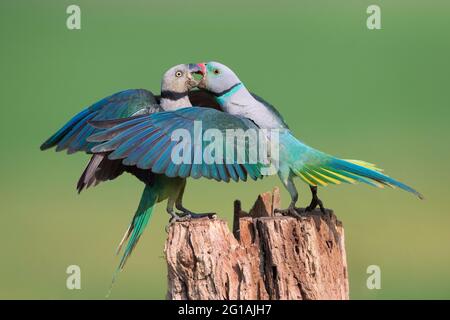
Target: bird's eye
216,71
178,74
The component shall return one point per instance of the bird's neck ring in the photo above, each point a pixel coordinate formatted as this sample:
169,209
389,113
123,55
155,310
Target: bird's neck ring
172,95
223,96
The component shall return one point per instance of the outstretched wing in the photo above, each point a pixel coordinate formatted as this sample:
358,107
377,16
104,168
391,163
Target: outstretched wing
148,142
72,136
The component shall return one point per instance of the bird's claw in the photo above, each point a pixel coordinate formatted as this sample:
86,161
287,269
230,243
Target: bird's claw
179,218
314,204
192,215
290,211
188,215
176,217
315,201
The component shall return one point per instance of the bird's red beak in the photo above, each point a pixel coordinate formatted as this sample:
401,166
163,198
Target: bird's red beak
202,68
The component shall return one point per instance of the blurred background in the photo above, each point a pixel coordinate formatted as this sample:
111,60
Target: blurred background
377,95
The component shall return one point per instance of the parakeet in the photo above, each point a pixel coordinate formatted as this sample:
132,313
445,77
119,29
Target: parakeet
296,159
146,143
175,94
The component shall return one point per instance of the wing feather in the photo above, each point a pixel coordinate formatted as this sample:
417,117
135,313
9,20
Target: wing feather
73,135
148,143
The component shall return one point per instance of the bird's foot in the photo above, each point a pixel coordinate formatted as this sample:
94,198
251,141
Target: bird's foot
192,215
187,215
291,211
313,205
176,217
179,218
315,201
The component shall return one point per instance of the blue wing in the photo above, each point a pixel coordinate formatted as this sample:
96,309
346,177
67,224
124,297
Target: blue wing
146,142
72,136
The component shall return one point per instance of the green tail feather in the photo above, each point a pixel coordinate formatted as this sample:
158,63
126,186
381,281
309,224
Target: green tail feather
137,226
320,169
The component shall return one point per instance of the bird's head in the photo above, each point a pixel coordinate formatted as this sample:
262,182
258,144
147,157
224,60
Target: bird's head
217,77
179,79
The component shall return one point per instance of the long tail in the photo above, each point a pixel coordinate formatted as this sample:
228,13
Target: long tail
137,226
320,169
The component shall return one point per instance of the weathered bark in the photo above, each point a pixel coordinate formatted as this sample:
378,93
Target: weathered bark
266,257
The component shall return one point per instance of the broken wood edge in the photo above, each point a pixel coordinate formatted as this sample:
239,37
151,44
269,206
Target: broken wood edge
260,258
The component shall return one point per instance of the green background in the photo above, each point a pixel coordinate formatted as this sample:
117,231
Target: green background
381,96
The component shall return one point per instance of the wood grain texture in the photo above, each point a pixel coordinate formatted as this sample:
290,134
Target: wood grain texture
273,257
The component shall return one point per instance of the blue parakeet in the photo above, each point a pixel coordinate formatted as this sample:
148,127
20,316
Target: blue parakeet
296,159
175,94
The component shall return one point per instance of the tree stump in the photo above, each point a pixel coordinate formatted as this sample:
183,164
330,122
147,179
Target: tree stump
265,257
